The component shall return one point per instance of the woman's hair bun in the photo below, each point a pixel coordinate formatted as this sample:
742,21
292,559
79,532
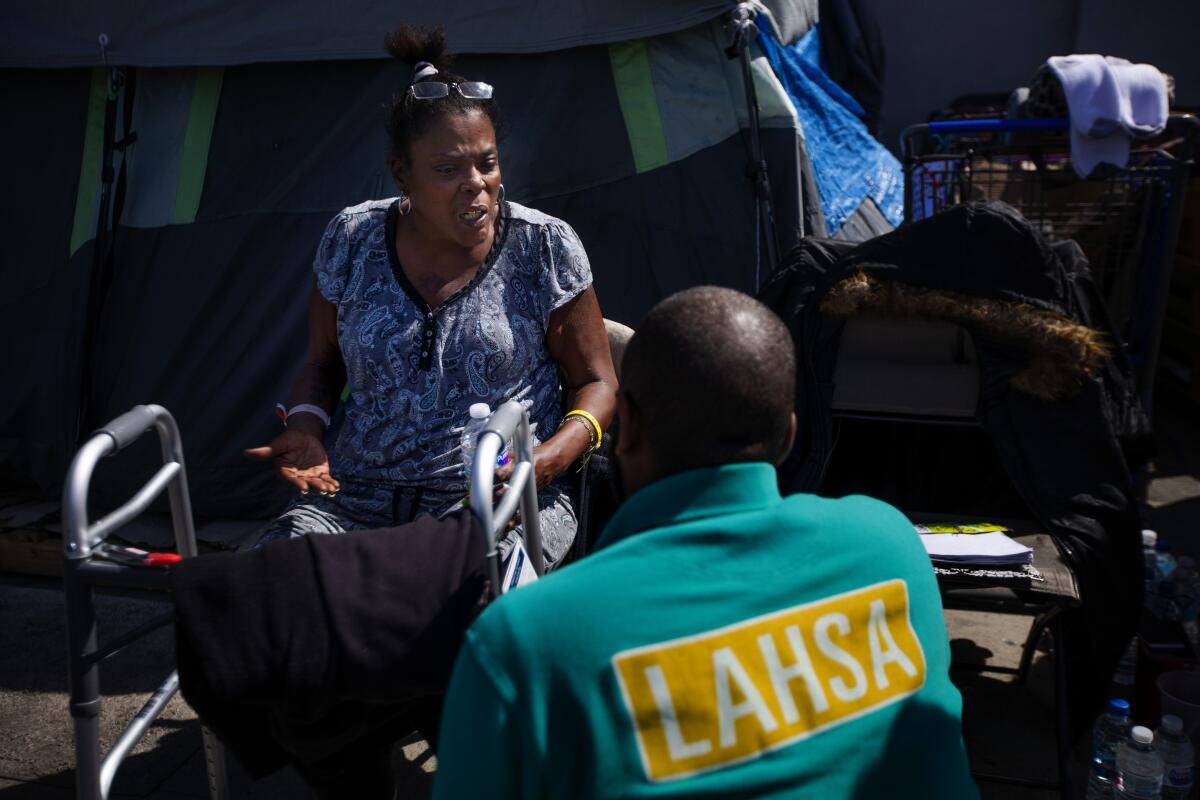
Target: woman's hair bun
413,43
407,120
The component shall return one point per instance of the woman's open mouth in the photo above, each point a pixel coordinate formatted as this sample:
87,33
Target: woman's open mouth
474,216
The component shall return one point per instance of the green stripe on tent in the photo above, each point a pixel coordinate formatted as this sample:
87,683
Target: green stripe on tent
84,226
635,91
194,159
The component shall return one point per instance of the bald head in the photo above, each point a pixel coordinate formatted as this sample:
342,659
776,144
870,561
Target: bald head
710,375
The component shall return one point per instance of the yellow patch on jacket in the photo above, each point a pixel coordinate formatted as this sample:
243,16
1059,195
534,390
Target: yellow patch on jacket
728,695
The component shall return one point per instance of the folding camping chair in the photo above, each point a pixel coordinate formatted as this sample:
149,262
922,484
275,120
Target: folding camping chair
925,372
88,565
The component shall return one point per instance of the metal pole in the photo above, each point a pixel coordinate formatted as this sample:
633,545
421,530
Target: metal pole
214,762
82,670
94,776
136,729
508,422
531,519
1066,781
75,491
910,161
482,481
84,675
99,275
743,28
171,445
1164,252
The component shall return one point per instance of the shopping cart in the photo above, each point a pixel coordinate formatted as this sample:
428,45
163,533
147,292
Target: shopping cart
1126,220
91,562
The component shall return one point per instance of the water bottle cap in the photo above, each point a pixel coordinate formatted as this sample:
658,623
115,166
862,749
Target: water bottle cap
1172,724
1141,735
1118,707
1162,546
1149,537
479,411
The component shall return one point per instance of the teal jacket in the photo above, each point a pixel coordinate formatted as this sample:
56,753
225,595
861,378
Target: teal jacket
721,642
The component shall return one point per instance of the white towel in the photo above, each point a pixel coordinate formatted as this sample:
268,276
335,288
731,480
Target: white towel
1110,101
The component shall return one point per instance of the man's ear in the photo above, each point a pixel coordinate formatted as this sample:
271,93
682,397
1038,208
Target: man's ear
789,439
630,438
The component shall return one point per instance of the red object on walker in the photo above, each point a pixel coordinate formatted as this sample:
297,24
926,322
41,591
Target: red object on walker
136,557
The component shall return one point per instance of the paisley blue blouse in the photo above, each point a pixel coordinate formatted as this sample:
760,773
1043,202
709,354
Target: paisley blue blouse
413,371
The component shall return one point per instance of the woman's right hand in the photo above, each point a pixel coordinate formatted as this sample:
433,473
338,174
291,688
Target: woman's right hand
300,459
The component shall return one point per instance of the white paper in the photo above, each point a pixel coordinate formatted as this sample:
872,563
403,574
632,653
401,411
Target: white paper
975,548
518,572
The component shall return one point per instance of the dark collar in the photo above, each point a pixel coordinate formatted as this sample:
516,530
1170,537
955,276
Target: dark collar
390,222
693,494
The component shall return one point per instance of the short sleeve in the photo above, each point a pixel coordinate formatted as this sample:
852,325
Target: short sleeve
331,264
564,272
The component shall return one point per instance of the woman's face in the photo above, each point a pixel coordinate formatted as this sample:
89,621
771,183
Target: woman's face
453,179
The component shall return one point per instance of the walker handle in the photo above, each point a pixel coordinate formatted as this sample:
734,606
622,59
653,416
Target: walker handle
127,428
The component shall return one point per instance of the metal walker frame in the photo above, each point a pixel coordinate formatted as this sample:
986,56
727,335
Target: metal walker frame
508,422
83,573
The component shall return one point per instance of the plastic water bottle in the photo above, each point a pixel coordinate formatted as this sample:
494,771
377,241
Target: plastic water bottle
1185,575
1178,757
479,415
1162,603
1164,561
1149,557
1187,598
1126,675
1139,767
1110,730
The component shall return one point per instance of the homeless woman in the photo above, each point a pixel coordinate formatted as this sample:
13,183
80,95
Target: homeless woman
425,304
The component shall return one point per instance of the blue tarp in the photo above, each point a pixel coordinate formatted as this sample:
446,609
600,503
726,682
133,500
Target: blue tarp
849,165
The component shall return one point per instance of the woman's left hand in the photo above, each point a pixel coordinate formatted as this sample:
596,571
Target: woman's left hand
546,467
548,464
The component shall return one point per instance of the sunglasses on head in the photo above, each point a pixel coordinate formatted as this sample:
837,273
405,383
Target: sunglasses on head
432,90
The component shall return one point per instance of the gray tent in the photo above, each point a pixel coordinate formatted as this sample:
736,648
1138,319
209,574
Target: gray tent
174,266
255,124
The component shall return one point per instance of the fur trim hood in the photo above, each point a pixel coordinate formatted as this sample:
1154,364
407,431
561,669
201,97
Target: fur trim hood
1062,353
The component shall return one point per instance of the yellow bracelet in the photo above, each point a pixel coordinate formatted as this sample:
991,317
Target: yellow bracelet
587,426
595,423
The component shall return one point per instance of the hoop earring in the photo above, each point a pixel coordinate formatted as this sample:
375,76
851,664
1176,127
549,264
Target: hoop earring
405,205
500,195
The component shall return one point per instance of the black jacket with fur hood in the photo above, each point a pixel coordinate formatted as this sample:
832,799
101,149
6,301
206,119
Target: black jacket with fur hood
1056,396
